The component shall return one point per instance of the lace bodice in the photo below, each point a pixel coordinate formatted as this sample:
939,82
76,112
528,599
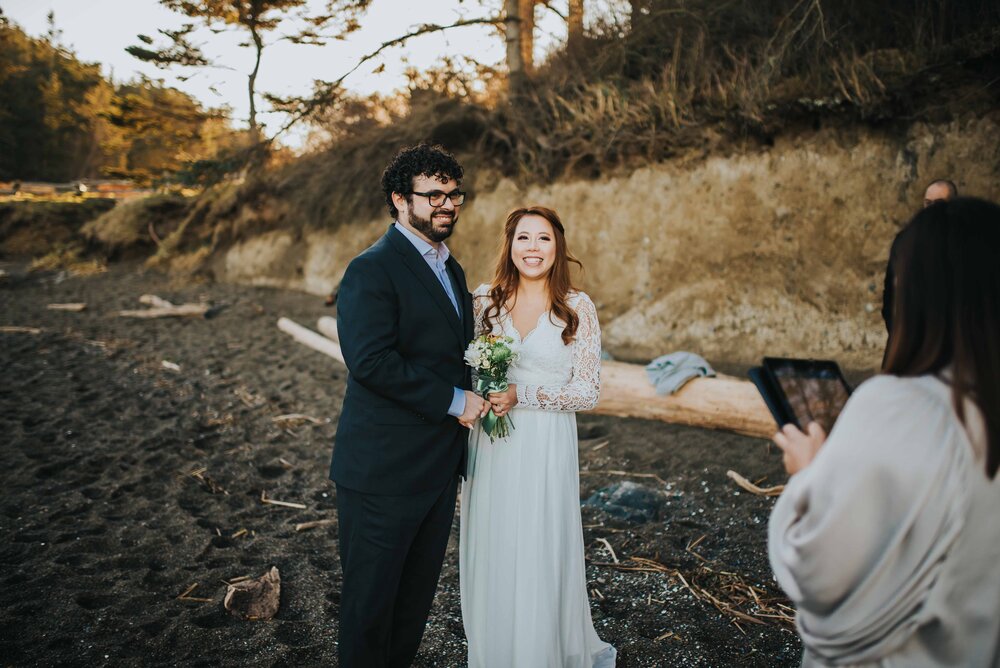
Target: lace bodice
550,375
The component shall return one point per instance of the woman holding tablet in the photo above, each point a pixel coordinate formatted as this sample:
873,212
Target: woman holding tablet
887,536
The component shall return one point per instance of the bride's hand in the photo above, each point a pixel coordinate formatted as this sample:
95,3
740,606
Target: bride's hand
502,402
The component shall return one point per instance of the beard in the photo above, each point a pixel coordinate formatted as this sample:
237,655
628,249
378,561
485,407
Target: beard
426,225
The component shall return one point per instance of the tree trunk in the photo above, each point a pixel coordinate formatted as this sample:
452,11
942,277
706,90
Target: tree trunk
515,62
527,14
574,23
252,82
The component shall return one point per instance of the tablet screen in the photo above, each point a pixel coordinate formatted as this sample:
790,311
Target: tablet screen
814,391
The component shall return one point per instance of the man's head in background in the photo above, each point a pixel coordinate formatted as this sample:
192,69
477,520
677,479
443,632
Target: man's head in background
939,190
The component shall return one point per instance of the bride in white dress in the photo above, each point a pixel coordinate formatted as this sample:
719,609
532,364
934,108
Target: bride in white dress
521,559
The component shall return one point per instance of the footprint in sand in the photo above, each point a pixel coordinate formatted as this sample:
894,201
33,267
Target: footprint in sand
271,471
90,601
588,432
215,620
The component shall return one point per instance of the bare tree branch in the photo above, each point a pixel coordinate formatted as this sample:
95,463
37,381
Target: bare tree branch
548,5
328,88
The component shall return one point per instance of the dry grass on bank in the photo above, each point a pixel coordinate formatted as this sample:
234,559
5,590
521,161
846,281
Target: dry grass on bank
137,224
70,258
683,76
678,78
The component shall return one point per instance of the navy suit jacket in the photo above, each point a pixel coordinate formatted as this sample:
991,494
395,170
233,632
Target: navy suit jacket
404,347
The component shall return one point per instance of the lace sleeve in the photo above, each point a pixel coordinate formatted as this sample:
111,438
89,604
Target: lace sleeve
584,388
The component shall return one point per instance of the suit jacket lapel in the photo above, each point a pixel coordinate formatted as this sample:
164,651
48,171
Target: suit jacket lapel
419,267
464,298
457,277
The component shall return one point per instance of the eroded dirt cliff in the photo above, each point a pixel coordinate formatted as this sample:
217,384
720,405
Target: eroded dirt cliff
777,250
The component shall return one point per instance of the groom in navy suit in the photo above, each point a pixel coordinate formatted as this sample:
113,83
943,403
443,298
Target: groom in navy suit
404,316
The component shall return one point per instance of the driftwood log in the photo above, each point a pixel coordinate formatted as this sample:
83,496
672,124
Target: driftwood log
328,326
722,402
309,338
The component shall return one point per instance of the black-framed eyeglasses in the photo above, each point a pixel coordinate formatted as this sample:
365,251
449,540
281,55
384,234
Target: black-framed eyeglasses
437,197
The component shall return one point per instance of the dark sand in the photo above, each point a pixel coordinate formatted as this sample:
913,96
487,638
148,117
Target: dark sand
103,528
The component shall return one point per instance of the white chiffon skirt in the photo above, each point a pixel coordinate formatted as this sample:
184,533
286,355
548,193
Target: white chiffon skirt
521,559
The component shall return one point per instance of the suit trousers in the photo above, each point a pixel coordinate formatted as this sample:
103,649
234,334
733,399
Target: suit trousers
391,552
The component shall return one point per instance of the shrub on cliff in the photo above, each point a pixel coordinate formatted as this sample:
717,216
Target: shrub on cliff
137,225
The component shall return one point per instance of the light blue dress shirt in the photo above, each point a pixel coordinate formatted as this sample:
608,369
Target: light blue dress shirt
436,259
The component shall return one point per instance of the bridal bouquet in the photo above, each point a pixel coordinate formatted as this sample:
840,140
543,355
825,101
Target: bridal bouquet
491,356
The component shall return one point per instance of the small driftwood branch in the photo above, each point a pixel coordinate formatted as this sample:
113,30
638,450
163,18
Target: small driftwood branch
296,417
733,591
161,308
156,302
283,504
182,311
752,488
309,338
14,329
187,597
210,484
74,307
305,526
188,590
614,557
625,474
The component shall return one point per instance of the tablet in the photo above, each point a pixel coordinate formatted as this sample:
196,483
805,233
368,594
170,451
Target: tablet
799,391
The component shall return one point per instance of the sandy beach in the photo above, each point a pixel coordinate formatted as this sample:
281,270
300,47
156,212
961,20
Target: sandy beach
136,453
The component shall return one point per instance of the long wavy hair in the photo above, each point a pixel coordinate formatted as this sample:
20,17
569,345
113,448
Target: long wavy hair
947,308
506,277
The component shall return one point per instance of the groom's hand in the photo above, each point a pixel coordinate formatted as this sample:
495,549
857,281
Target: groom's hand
475,408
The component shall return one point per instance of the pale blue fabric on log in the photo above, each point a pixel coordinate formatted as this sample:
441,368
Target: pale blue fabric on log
668,373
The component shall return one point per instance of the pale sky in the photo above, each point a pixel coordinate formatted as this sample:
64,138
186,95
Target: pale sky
99,31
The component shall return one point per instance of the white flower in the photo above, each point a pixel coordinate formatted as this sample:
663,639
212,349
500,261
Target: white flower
473,356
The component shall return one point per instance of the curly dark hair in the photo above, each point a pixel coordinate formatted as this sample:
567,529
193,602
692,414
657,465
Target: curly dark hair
414,161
